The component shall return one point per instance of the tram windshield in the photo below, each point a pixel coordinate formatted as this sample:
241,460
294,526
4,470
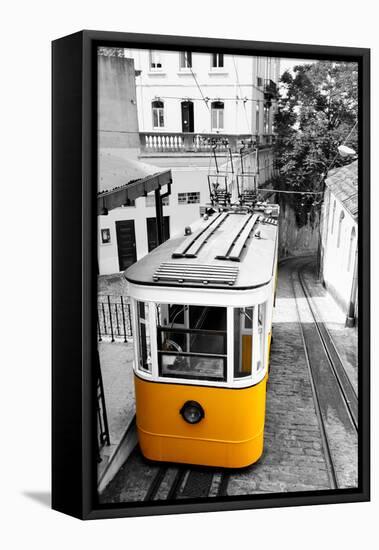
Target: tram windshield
191,341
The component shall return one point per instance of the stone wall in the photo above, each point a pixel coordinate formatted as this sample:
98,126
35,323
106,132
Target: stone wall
117,107
295,240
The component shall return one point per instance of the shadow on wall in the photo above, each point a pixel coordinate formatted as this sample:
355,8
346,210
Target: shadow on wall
295,240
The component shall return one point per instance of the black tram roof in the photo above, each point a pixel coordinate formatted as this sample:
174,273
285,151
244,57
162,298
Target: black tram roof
232,249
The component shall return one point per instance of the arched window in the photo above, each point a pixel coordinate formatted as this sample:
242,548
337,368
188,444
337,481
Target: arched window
351,247
217,114
158,114
333,216
342,215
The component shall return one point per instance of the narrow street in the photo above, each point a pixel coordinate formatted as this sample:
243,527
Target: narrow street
310,435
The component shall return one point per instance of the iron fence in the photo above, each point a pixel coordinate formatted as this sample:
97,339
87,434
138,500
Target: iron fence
103,437
114,320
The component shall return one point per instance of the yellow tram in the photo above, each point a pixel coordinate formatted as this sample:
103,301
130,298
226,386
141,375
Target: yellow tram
202,309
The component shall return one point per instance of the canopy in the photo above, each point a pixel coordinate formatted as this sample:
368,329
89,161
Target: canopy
122,179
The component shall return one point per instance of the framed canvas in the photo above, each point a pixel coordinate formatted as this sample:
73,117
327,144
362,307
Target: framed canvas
210,275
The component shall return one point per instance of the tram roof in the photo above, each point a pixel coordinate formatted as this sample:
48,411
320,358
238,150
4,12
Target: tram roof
230,250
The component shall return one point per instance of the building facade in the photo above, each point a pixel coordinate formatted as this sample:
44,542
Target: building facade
127,233
339,234
201,93
164,109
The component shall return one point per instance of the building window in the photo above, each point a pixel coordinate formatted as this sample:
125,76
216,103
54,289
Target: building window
158,114
189,198
150,200
342,215
266,120
333,216
351,248
105,236
217,115
217,60
185,60
259,81
155,60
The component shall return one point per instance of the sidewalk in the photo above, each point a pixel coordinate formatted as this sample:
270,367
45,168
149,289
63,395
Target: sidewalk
114,284
330,313
116,363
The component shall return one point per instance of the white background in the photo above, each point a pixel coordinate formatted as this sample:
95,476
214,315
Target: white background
27,29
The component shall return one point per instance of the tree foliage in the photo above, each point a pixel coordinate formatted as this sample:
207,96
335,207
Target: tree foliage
111,52
317,111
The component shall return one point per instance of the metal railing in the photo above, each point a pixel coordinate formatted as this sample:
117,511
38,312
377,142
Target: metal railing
270,87
103,437
181,142
114,320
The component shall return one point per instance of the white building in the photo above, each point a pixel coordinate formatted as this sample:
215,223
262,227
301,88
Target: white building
155,108
202,93
340,237
127,233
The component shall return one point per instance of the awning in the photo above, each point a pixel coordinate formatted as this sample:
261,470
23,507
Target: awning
122,179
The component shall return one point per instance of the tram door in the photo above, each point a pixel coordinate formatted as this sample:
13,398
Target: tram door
152,234
126,243
187,116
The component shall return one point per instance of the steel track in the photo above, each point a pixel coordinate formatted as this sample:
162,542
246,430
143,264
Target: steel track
189,482
336,363
346,389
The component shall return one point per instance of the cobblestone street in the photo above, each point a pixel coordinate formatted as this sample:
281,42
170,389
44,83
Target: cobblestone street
293,458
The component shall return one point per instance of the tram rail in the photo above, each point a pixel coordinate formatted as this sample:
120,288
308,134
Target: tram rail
187,482
349,393
149,481
335,400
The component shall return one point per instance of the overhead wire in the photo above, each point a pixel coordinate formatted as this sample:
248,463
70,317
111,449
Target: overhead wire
194,76
240,89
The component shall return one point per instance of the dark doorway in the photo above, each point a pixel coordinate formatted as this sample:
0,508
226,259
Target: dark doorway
187,116
126,243
152,235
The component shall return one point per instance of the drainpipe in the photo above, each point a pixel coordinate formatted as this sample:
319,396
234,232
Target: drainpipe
350,319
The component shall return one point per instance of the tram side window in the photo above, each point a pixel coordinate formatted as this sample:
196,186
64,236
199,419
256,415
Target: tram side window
249,340
243,341
261,337
144,336
192,341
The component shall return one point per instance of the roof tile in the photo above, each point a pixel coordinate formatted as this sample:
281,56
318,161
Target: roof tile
343,183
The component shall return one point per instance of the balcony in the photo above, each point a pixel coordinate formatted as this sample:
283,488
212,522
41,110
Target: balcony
270,91
181,142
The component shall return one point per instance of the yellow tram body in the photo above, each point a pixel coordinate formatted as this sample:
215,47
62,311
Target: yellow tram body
203,342
230,436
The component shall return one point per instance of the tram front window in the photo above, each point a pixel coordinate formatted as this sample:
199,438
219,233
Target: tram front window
192,341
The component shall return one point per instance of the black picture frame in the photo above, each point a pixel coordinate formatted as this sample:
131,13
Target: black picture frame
74,271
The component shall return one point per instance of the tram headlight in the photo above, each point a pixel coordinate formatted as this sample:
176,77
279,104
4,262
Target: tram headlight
192,412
